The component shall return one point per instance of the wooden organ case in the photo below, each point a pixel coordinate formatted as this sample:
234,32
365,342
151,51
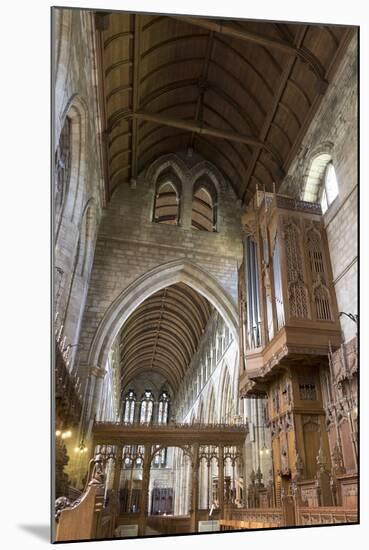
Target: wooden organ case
288,325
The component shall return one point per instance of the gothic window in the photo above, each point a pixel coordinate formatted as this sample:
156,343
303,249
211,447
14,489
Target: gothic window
322,303
307,389
147,405
226,337
62,166
163,412
330,188
129,407
321,185
297,291
160,457
204,215
167,204
315,253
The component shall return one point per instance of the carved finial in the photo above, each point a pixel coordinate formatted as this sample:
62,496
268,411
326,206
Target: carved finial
321,458
337,459
299,466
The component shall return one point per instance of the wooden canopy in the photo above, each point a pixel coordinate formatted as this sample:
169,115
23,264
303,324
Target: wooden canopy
240,93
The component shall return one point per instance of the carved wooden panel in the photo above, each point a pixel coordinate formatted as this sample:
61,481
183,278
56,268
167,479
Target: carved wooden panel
311,445
297,291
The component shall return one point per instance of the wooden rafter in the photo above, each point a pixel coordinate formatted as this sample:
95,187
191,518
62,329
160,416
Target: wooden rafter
199,128
267,42
202,83
273,109
135,93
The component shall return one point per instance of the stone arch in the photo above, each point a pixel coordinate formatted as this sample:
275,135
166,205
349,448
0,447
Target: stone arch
146,285
200,411
211,411
166,162
77,112
81,268
205,168
320,157
226,394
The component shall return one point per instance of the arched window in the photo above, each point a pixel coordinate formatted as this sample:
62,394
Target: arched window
204,202
167,199
147,405
62,168
163,412
321,184
129,407
160,458
330,187
322,303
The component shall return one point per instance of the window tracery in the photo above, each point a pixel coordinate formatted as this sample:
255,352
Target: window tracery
147,405
129,407
163,411
330,187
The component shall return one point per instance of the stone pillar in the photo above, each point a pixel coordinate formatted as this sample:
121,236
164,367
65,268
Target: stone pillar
145,490
221,480
186,207
155,412
94,376
195,488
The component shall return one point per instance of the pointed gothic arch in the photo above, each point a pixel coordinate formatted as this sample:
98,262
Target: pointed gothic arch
146,285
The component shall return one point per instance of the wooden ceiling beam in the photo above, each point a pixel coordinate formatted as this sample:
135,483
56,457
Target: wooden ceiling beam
199,128
347,37
269,43
135,94
271,113
202,81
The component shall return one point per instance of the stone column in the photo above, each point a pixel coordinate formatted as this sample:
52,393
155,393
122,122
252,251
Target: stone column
145,489
94,376
195,488
186,206
221,480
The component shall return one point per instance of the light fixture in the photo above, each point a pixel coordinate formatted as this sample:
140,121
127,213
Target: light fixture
58,433
81,448
66,435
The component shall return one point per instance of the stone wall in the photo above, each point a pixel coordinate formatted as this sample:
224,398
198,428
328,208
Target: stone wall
130,244
334,129
76,222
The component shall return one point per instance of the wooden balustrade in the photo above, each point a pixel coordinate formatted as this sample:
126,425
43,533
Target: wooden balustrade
259,518
326,515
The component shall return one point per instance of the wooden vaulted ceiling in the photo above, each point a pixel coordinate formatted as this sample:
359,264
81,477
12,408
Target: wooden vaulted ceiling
163,334
240,93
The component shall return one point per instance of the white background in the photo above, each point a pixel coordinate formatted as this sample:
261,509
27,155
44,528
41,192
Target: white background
25,269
